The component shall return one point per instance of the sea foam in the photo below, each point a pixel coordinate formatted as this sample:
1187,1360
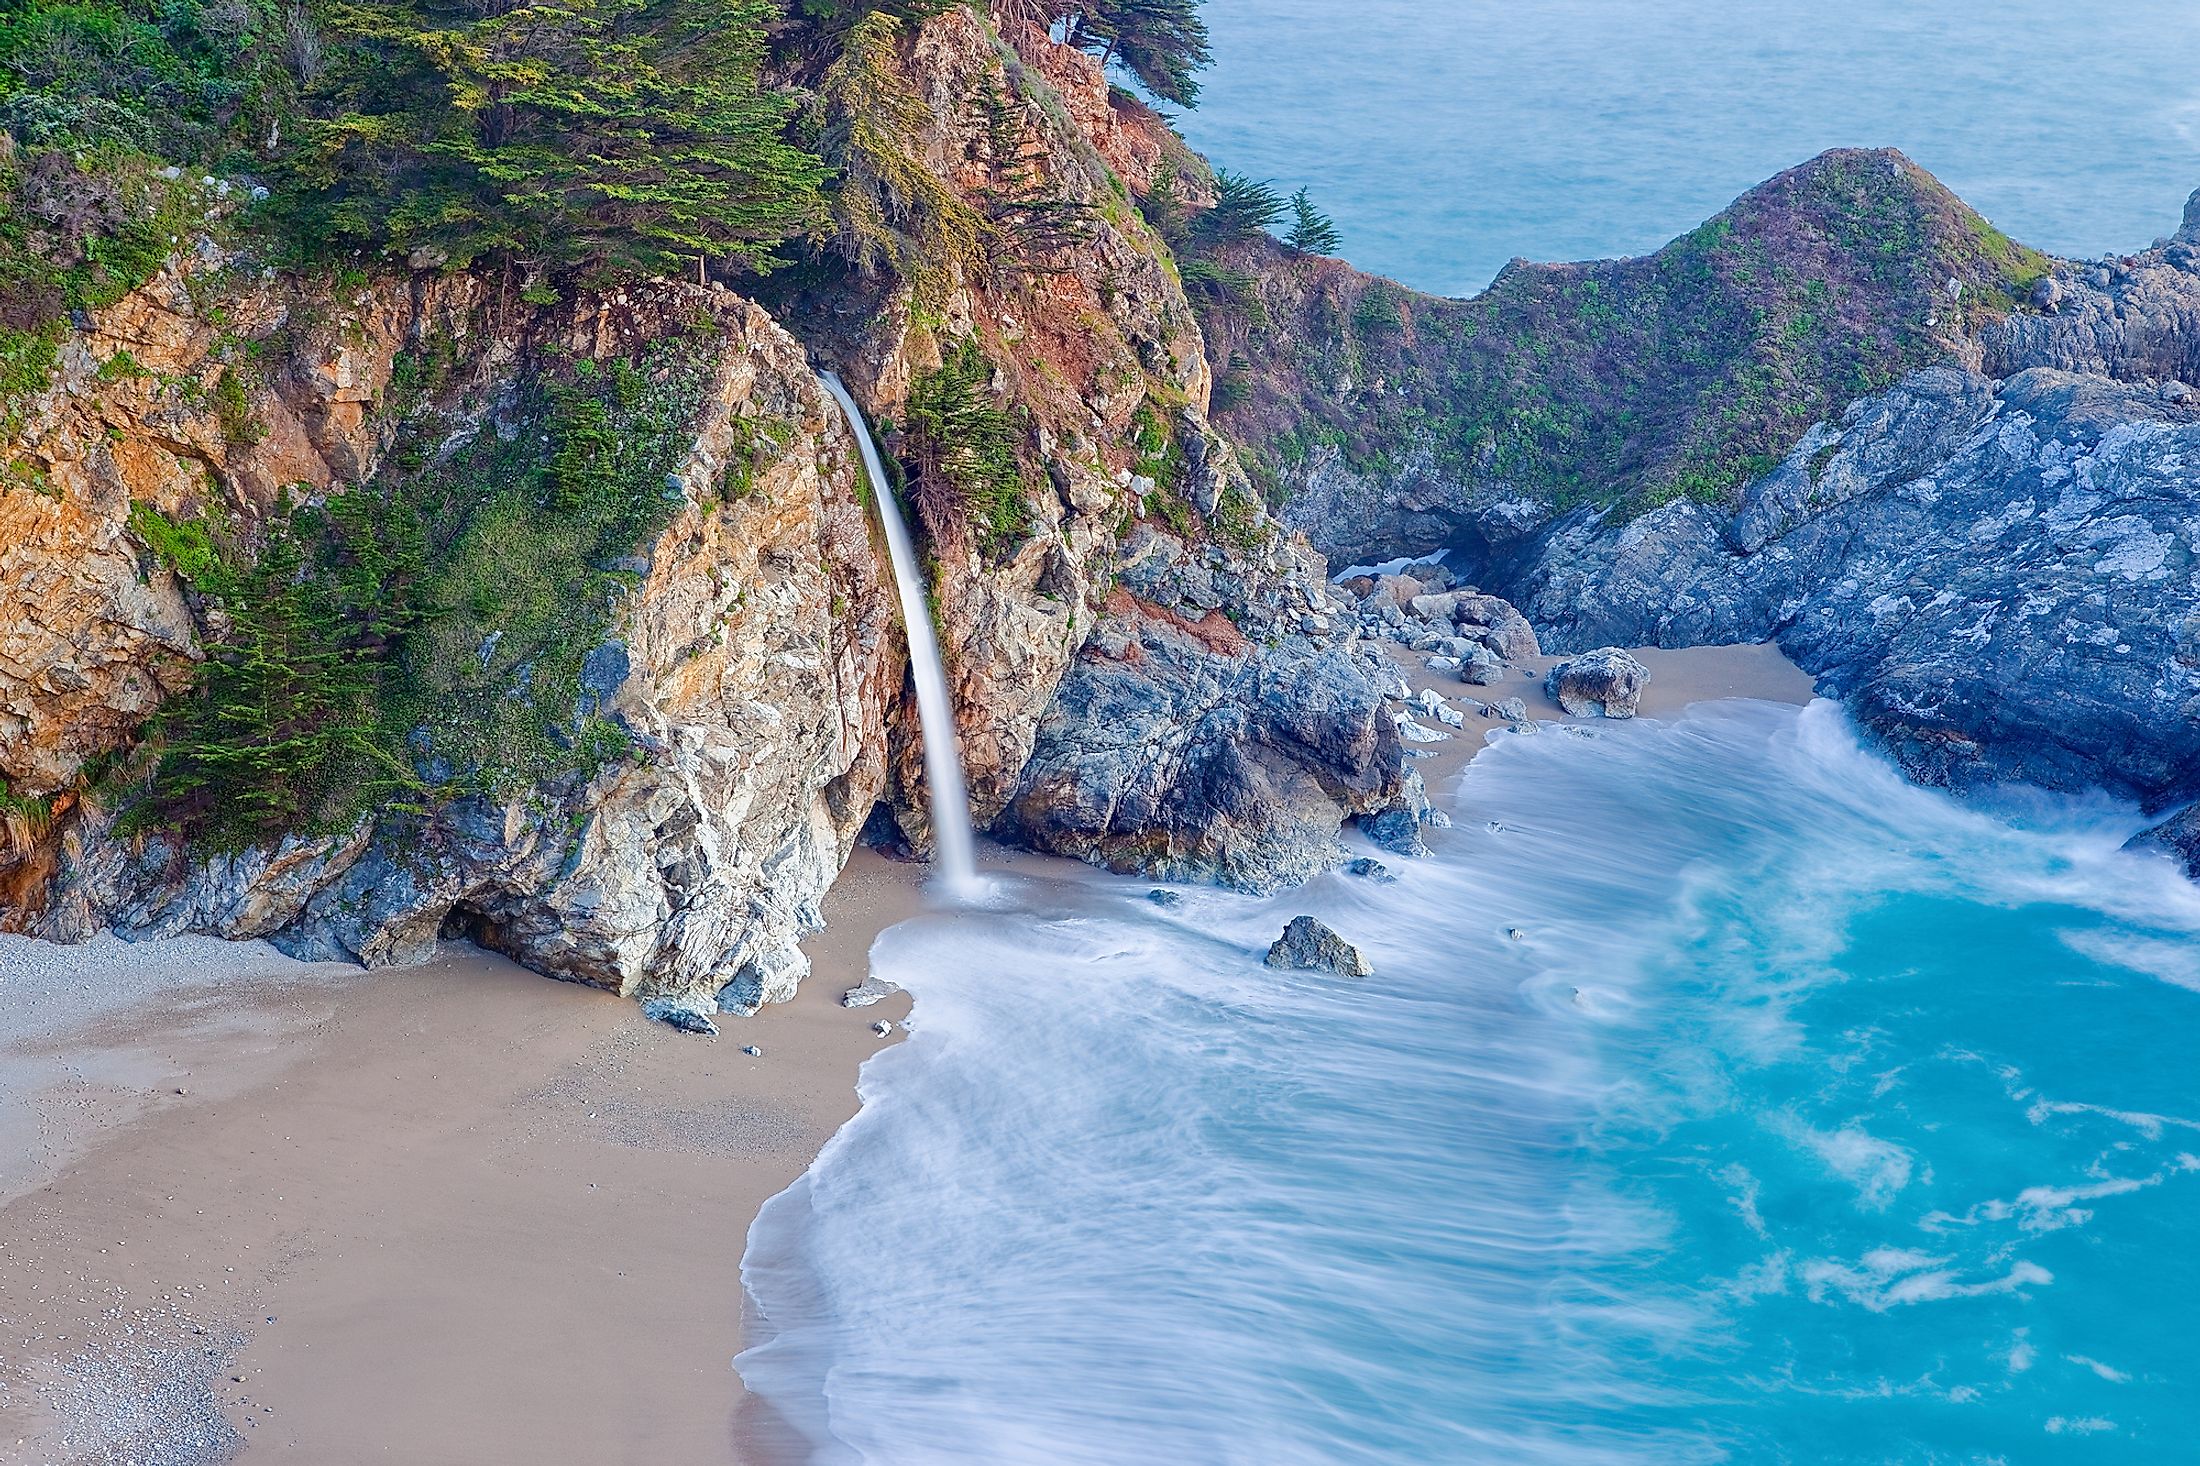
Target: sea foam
1718,1095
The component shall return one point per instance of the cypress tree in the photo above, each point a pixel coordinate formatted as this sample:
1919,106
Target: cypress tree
1161,42
634,133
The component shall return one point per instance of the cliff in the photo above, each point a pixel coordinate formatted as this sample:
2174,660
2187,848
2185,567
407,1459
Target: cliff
1949,475
543,608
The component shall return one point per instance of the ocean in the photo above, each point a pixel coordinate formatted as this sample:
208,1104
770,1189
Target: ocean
1718,1096
1448,136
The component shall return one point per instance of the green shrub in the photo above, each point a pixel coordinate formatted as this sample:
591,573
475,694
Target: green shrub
968,452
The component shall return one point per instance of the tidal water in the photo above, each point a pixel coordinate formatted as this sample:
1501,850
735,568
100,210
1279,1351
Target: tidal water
1448,136
1718,1096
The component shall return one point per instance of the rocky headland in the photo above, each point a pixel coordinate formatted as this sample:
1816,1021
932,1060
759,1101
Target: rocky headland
1951,477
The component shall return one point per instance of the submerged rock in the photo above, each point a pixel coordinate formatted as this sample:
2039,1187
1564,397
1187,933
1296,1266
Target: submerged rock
1308,945
1606,681
1368,868
1160,897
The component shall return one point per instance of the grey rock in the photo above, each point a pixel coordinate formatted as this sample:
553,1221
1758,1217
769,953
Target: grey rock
1308,945
2007,593
2177,837
1511,709
1161,897
1209,756
752,1051
871,990
1368,868
1606,681
884,1028
676,1015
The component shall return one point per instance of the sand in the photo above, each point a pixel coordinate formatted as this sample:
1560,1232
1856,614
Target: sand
456,1213
1677,679
453,1214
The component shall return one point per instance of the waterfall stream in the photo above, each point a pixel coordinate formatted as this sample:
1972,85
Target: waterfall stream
951,839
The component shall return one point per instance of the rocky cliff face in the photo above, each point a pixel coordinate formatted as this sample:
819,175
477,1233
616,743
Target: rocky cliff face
1078,313
668,804
1995,559
752,660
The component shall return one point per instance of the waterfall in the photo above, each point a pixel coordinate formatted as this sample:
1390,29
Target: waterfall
943,770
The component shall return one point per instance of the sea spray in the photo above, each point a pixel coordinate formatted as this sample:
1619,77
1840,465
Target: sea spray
1809,1116
943,772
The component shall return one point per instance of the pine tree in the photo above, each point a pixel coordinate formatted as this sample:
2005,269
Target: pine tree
1312,231
635,133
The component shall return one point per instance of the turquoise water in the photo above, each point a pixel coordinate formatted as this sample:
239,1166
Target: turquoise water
1718,1097
1449,135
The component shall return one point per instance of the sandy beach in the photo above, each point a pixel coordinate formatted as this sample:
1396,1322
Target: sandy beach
450,1214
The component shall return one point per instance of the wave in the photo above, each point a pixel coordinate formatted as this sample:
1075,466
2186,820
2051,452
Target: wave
1705,1061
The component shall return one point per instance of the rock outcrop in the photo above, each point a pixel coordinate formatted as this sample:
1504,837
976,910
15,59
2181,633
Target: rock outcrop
2177,837
1202,732
2000,578
1307,945
752,662
1994,558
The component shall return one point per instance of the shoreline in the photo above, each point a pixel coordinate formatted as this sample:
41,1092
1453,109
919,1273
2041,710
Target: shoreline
459,1213
454,1213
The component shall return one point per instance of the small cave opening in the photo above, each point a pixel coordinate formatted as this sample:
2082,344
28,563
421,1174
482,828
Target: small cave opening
466,922
882,832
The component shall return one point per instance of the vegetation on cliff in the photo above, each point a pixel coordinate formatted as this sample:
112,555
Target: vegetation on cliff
428,635
1625,382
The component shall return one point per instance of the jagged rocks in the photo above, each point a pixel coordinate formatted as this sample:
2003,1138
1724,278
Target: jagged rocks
751,663
1606,681
1180,747
1308,945
2179,836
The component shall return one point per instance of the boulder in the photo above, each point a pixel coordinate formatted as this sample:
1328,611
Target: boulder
1436,606
1606,681
1307,945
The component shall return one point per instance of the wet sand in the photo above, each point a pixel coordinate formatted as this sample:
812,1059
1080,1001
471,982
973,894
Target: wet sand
1677,679
452,1214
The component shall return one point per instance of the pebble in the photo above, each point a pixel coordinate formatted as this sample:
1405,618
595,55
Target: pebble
752,1051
